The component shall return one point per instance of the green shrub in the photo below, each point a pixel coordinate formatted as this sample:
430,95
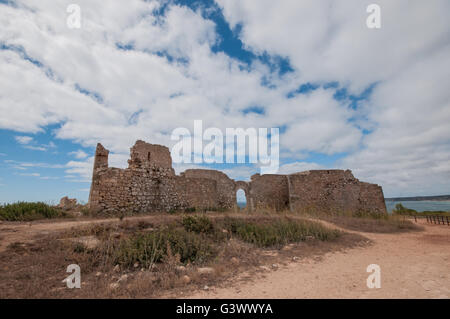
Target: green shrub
402,210
434,213
153,247
26,211
197,224
198,239
85,211
278,232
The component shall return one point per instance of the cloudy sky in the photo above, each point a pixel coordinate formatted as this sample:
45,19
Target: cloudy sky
376,101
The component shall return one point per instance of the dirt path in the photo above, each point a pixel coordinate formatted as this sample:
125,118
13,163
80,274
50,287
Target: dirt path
413,265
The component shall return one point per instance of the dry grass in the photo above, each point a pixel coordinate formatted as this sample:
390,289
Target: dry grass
365,222
277,231
392,224
141,259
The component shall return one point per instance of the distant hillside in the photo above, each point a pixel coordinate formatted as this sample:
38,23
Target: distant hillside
418,198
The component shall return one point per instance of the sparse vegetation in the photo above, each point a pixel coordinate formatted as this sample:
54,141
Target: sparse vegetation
197,224
198,239
160,255
404,211
85,211
279,231
150,248
369,222
27,211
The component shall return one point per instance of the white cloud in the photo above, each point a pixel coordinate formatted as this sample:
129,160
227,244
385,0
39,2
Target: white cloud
50,145
49,177
19,167
210,86
23,139
101,93
31,174
317,122
242,173
298,167
39,176
26,165
82,170
330,40
27,140
80,154
408,151
36,148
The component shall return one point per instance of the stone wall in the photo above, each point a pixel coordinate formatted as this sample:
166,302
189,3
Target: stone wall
225,187
150,155
334,190
150,184
269,191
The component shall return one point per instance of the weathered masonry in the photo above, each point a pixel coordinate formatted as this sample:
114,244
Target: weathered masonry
150,184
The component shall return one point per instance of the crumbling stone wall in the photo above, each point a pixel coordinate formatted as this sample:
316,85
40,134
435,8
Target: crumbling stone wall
150,156
269,191
199,193
150,184
67,203
334,190
225,187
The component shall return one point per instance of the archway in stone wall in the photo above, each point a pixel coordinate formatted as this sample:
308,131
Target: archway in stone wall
241,199
242,195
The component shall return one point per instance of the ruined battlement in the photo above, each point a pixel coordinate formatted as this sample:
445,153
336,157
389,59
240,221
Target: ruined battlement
150,184
145,155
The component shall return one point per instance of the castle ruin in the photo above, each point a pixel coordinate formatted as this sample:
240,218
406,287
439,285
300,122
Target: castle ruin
150,184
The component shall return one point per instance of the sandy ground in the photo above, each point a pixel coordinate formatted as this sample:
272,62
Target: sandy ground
413,265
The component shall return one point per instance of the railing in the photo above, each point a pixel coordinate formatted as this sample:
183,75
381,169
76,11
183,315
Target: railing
444,220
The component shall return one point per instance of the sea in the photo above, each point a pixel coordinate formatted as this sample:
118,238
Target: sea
420,206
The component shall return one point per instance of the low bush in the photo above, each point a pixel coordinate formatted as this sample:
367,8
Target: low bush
198,239
27,211
372,224
197,224
278,232
365,221
149,248
404,211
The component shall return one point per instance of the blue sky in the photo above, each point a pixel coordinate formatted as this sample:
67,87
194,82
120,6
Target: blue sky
39,172
344,96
